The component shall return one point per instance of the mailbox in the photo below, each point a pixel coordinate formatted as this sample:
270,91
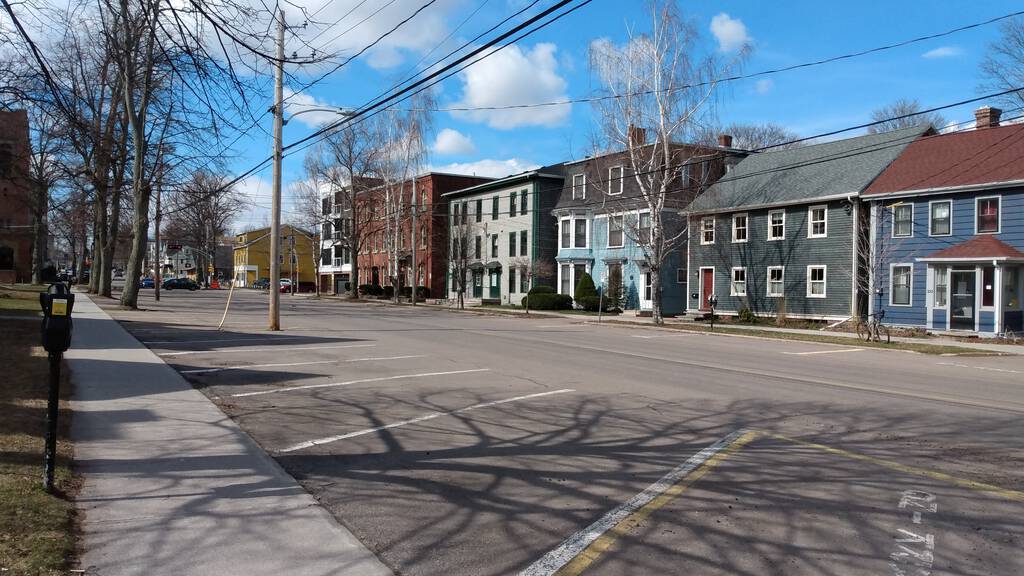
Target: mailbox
56,303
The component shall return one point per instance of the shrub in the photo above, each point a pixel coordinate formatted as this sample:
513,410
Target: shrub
548,301
586,294
386,292
541,290
614,297
370,289
746,316
422,292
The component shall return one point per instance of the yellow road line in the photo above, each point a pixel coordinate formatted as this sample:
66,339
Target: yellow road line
941,476
596,548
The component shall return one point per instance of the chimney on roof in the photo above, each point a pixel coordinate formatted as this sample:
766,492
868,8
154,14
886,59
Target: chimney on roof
637,136
725,140
986,117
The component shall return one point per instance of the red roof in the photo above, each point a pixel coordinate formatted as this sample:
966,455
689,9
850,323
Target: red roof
966,158
980,247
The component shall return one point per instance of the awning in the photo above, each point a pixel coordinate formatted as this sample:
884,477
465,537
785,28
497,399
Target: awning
979,249
475,266
493,265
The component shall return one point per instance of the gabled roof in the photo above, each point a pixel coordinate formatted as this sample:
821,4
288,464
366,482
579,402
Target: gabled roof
960,159
827,170
978,248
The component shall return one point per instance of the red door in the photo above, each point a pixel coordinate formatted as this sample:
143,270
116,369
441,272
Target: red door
707,283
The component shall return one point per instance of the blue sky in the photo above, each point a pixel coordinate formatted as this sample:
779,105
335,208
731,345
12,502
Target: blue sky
552,65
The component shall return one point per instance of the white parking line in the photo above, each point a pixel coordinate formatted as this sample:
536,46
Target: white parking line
824,352
257,339
222,368
986,368
554,560
238,350
430,416
649,336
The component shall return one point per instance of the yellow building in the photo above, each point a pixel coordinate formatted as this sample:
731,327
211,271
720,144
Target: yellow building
252,256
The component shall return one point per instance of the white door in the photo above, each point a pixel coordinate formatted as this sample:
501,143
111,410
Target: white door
646,295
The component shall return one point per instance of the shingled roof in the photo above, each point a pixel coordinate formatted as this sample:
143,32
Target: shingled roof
973,157
831,169
978,248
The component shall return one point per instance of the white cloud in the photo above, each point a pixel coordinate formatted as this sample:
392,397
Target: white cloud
764,86
452,142
255,192
489,167
731,33
513,77
943,52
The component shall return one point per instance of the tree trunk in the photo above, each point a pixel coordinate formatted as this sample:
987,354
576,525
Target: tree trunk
140,242
110,244
38,243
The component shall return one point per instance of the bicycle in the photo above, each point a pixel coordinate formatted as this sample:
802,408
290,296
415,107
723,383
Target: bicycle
870,328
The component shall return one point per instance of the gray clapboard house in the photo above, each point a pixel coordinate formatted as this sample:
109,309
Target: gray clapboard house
783,231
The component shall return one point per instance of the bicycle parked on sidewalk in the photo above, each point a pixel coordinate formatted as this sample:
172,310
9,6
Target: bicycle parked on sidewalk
871,329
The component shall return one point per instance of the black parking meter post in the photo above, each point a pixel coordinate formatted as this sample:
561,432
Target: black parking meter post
52,405
57,303
712,302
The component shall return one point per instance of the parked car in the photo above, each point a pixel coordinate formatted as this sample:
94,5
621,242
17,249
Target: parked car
180,284
262,284
147,282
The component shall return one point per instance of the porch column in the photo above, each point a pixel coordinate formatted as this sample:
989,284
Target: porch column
997,288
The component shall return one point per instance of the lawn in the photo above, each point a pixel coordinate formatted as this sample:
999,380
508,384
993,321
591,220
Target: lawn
20,297
36,536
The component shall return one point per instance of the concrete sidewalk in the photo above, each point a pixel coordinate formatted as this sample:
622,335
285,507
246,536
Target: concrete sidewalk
173,486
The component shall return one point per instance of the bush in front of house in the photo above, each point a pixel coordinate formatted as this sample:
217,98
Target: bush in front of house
370,289
548,302
746,316
422,292
586,294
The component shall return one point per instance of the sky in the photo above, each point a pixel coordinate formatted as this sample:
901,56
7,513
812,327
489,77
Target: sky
553,65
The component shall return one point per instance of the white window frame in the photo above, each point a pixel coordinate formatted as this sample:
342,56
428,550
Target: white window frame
768,282
746,227
910,288
586,234
770,226
999,215
702,221
892,232
614,183
935,270
930,204
810,221
562,222
622,230
732,281
824,275
582,186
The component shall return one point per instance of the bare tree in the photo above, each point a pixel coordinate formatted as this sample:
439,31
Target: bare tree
533,269
657,83
890,117
200,212
464,241
1003,66
313,212
761,136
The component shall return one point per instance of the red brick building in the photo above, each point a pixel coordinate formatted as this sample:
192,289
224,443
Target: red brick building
15,212
375,261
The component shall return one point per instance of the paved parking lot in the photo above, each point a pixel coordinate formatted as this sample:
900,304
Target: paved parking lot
463,444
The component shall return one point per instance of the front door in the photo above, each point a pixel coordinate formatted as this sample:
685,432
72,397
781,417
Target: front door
707,287
478,283
495,283
646,291
963,307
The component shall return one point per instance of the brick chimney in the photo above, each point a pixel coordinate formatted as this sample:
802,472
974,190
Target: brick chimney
637,136
725,140
986,117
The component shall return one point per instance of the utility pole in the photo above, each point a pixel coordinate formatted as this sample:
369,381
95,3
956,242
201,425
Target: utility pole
159,261
275,211
412,233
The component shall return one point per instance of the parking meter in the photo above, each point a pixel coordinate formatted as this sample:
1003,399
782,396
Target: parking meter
712,302
56,303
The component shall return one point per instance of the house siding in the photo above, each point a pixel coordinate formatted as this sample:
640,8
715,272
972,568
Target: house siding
796,251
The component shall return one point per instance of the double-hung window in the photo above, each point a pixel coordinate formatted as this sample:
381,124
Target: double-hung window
707,230
615,230
511,243
465,212
566,234
816,282
479,209
494,245
817,222
903,221
565,279
776,224
455,215
579,233
522,202
900,279
738,287
987,210
941,286
615,180
739,227
644,226
524,280
495,207
579,187
940,218
478,246
523,245
776,281
512,205
511,280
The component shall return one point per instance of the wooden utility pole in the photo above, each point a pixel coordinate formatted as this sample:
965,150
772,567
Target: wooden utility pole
412,234
159,263
275,211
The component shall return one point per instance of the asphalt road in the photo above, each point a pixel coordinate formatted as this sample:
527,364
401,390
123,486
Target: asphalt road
464,444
